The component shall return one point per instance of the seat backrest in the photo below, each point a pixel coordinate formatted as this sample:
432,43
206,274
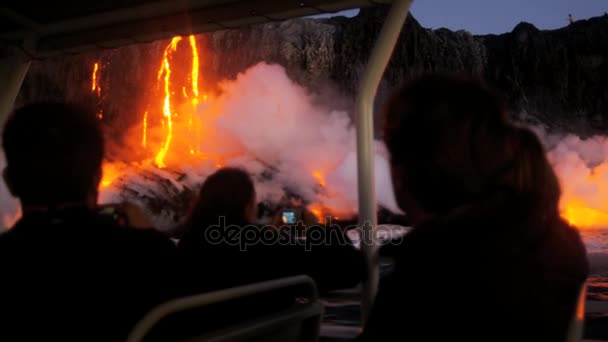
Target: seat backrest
279,310
575,331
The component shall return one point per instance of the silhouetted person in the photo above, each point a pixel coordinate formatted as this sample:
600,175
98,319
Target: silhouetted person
570,19
489,258
69,273
223,247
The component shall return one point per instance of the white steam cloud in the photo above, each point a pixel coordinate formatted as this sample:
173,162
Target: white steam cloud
582,166
265,117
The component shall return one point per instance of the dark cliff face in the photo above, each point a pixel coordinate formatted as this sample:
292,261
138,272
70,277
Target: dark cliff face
555,77
558,77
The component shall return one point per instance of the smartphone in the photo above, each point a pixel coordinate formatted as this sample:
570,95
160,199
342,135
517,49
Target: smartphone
288,217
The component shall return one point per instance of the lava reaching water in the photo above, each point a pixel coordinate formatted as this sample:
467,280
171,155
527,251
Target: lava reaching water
169,103
582,166
169,109
183,125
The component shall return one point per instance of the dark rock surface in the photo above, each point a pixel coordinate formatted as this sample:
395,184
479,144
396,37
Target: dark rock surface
553,77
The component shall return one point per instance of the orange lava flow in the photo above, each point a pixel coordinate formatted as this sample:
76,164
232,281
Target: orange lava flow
95,79
319,177
194,79
584,202
165,70
167,139
144,136
95,88
583,217
195,67
317,210
170,104
110,173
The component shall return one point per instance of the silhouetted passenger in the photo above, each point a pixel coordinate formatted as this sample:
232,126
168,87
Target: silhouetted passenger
223,247
489,258
68,272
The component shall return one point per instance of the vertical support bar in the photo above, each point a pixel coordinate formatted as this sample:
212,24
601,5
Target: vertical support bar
13,68
14,65
577,323
368,87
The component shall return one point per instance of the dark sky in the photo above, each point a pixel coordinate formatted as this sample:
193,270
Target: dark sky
499,16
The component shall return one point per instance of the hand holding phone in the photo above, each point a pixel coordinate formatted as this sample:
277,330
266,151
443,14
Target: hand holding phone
127,214
288,217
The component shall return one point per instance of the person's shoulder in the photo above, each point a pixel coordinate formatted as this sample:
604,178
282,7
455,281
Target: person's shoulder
127,237
568,240
570,231
9,237
149,236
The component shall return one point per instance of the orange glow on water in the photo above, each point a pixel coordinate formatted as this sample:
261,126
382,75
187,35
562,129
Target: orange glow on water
584,202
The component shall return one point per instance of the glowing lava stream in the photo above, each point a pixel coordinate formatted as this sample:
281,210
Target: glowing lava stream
167,138
95,88
144,142
582,217
166,70
165,74
94,80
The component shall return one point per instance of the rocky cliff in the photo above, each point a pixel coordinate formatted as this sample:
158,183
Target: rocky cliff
553,77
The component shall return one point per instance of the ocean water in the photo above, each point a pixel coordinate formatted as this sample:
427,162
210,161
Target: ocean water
596,242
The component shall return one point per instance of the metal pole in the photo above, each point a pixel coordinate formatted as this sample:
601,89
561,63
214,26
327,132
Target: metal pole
368,87
13,68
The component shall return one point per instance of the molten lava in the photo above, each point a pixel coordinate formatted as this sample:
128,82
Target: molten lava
319,177
172,132
95,80
110,173
170,104
317,210
144,138
158,130
95,87
165,70
584,200
583,217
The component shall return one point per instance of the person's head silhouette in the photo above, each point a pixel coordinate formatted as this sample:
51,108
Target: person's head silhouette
452,146
54,155
228,193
